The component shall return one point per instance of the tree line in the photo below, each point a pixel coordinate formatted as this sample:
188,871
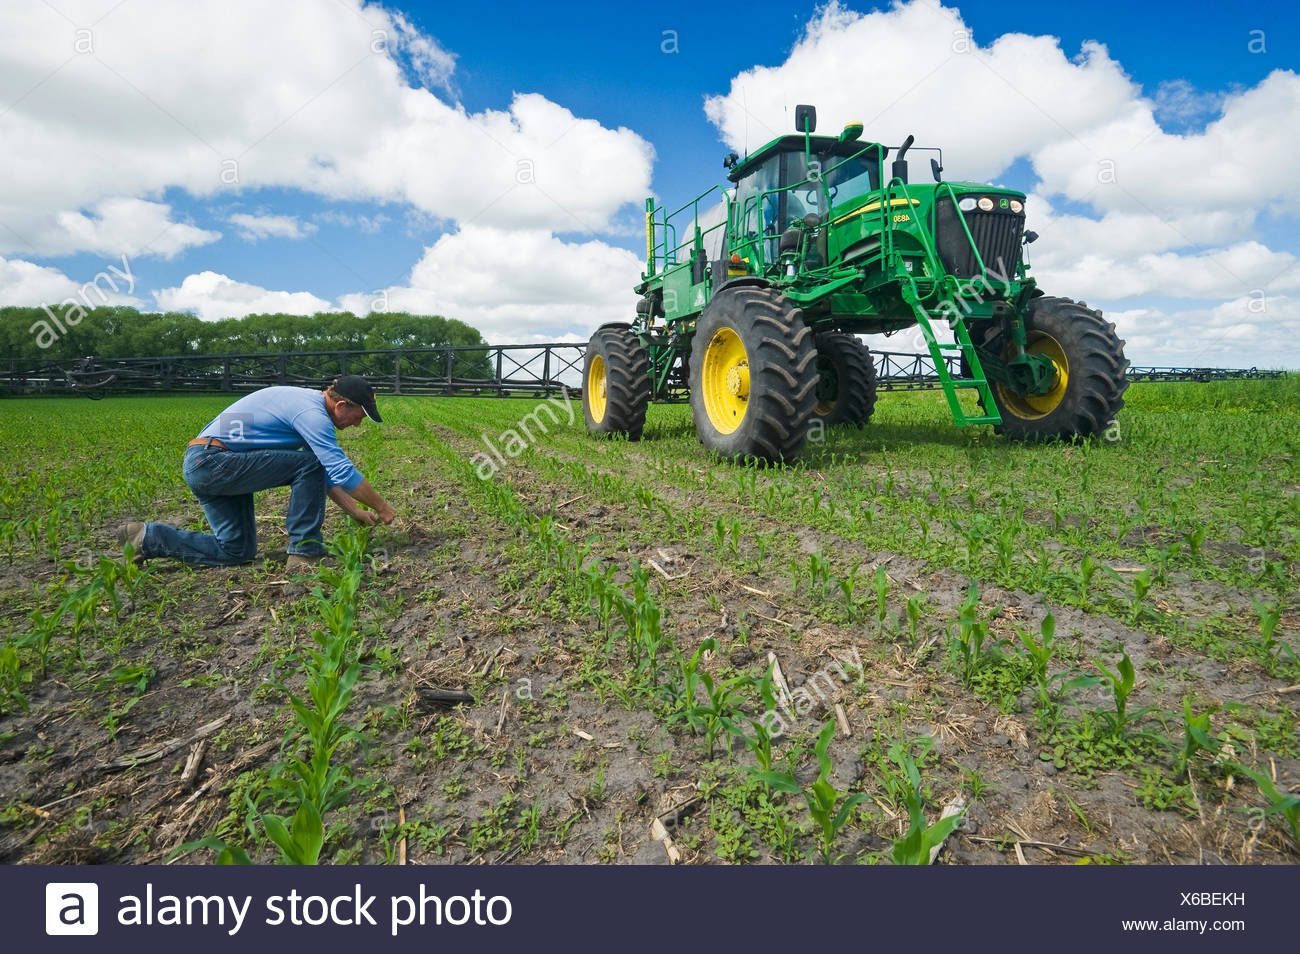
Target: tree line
121,332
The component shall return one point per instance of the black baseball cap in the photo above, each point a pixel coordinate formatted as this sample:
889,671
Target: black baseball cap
355,389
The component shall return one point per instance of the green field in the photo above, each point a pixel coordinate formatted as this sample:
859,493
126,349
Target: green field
612,608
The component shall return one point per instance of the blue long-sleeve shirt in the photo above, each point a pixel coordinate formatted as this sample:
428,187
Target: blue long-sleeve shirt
290,418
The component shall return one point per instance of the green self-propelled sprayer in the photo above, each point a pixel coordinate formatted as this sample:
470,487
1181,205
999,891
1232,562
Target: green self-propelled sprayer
756,315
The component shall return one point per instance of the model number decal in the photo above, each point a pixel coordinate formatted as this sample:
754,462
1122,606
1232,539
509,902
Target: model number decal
902,218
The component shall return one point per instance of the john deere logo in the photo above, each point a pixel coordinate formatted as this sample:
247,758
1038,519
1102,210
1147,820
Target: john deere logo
1002,204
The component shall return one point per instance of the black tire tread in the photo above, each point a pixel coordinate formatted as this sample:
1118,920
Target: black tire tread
1098,373
783,374
627,383
857,378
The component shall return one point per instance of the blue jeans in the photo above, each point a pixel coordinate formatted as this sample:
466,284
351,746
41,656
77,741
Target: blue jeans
224,482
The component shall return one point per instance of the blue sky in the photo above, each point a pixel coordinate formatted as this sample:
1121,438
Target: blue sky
488,162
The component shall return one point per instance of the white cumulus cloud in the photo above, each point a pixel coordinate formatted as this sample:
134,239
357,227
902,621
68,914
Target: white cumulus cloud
26,283
516,286
212,296
220,97
255,227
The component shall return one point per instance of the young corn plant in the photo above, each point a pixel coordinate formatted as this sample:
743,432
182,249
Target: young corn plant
819,574
1120,683
967,646
849,584
1273,648
915,607
1287,805
1050,689
1196,735
13,676
914,847
309,778
1087,570
1141,587
760,743
827,806
718,714
881,584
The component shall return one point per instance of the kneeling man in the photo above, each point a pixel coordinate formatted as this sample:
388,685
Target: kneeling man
275,437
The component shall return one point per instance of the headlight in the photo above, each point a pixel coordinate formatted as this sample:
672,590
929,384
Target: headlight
986,204
1017,206
967,203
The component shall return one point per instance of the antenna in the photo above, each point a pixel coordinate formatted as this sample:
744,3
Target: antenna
744,105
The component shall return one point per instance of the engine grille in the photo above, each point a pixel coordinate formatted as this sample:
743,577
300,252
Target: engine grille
997,235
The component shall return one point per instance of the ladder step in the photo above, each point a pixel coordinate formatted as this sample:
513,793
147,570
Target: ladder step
968,382
986,419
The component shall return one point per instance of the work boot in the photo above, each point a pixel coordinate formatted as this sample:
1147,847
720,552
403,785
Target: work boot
296,564
133,533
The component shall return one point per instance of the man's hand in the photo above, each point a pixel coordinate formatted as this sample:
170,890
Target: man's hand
364,494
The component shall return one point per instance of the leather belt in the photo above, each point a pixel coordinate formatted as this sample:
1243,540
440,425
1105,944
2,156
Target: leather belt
207,442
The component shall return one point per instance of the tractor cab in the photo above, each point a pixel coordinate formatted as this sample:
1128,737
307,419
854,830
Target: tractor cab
781,185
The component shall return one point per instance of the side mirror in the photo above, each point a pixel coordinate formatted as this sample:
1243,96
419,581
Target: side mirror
1031,238
936,170
805,119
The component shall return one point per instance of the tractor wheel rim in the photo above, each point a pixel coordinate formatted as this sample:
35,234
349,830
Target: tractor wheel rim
725,381
596,388
1033,407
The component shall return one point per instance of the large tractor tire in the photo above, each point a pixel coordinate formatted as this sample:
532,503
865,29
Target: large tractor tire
1090,374
615,383
753,375
846,384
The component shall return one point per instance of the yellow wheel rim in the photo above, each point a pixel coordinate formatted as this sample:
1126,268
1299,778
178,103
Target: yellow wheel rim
724,379
1032,407
595,389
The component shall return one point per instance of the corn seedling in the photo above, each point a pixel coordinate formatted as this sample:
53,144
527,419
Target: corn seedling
881,584
914,847
1039,653
1272,647
760,743
967,646
1287,805
1196,735
915,605
718,714
828,811
1121,684
849,584
1141,587
819,574
1082,580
